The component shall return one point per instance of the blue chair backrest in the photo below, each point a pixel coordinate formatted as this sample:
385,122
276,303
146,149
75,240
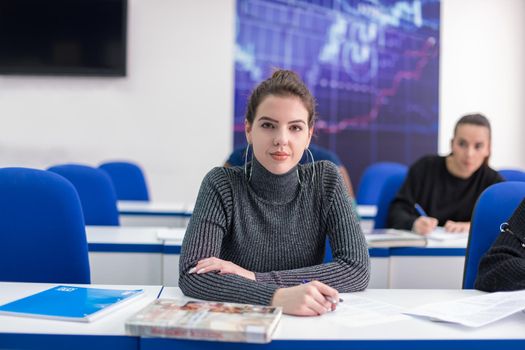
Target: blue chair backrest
389,190
372,181
494,206
42,233
128,179
96,192
327,252
512,174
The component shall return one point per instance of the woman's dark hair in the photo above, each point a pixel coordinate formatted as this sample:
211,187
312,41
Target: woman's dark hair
479,120
282,83
474,119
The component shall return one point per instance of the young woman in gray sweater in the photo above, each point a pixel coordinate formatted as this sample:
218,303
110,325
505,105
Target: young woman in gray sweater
258,232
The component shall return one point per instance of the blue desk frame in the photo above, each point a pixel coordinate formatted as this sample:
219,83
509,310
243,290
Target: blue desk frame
90,342
482,344
67,341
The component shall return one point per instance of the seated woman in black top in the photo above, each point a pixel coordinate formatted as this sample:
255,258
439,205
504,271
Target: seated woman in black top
447,187
503,266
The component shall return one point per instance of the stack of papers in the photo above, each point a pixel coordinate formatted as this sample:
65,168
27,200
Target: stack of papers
385,238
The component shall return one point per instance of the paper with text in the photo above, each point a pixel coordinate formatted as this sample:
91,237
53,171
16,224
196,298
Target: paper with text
474,311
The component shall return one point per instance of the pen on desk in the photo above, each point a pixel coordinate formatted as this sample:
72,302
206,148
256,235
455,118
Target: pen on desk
420,210
158,296
329,299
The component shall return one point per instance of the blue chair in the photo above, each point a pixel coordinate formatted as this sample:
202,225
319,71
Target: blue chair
512,174
128,179
387,193
494,206
327,252
96,192
372,181
42,232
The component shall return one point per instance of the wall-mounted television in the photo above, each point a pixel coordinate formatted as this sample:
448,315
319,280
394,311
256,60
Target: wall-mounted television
63,37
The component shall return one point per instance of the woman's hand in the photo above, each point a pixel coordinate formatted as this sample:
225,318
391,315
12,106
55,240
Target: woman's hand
222,266
310,299
424,225
457,226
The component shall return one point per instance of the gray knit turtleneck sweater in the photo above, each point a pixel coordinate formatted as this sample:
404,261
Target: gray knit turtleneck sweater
275,226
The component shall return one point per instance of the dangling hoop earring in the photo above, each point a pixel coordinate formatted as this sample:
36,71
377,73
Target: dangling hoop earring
313,162
246,163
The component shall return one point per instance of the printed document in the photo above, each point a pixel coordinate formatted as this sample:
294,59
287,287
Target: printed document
474,311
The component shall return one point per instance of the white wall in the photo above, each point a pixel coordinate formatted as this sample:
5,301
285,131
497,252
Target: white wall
173,112
483,70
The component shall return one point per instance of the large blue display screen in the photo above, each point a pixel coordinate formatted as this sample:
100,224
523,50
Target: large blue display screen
373,67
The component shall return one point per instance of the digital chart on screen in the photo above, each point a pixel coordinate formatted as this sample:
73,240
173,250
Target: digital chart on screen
372,65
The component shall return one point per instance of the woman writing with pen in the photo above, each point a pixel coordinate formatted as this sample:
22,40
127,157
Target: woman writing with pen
258,232
442,191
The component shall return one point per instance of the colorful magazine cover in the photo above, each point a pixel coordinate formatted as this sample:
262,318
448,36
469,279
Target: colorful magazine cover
172,318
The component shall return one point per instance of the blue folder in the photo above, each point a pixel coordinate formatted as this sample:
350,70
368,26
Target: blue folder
70,303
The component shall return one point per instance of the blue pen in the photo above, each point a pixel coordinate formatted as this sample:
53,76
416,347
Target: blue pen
340,300
420,210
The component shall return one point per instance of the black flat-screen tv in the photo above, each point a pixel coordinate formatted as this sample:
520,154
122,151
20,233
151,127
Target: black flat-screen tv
63,37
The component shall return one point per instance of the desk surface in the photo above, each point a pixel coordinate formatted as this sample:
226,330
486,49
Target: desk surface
399,332
34,333
111,237
123,235
329,331
154,208
133,235
145,208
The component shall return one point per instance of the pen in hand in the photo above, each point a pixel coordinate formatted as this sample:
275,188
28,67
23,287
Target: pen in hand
420,210
327,298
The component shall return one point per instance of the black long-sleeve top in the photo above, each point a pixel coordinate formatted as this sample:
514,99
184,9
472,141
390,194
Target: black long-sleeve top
502,268
441,194
275,226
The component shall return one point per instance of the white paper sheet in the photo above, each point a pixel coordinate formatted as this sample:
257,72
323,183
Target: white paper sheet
439,234
357,311
474,311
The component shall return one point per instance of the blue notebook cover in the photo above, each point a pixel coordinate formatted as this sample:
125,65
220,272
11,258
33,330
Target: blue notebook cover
69,303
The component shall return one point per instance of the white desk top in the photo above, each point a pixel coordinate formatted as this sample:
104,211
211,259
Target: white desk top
133,235
110,324
176,208
124,234
328,327
366,211
145,207
332,326
174,236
